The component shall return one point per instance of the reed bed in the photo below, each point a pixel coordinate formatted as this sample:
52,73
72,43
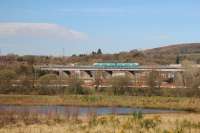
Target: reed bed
15,122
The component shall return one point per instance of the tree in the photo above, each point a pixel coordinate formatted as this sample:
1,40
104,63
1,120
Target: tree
47,79
48,84
94,53
191,74
98,79
177,59
6,76
154,81
30,59
179,79
99,52
75,85
151,81
24,70
120,84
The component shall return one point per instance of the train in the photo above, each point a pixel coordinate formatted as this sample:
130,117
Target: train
116,65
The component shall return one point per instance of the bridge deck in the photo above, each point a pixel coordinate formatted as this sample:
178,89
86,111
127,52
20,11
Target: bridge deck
93,68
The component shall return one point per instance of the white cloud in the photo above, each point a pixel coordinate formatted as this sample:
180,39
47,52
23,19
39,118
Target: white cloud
40,30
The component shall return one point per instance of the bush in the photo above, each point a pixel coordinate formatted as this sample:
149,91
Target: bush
6,78
149,124
137,115
47,79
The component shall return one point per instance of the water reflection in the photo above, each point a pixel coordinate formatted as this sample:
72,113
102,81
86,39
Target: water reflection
78,110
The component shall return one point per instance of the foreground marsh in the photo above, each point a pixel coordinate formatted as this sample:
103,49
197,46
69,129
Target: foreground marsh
159,123
15,122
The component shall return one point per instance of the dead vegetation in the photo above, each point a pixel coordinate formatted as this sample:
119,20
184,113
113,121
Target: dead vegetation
137,122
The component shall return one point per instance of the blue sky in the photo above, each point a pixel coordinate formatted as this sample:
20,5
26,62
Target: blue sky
45,27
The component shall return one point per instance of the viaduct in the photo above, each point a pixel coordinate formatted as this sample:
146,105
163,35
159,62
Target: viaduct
138,74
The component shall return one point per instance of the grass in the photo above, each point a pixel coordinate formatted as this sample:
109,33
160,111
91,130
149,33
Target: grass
153,123
177,103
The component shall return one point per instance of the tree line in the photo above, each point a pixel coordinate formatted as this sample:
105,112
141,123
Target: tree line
23,79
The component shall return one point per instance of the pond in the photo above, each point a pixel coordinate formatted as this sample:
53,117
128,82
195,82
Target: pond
79,110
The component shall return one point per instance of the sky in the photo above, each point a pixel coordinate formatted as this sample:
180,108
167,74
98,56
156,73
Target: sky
54,27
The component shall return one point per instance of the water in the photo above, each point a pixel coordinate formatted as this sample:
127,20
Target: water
66,110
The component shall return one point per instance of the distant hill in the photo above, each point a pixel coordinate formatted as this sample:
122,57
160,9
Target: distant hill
176,49
162,55
169,54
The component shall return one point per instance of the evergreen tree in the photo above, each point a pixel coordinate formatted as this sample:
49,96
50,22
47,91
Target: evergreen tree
99,52
178,59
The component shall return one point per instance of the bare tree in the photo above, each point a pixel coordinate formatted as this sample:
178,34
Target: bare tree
75,85
154,81
191,78
152,77
98,80
179,80
120,84
191,75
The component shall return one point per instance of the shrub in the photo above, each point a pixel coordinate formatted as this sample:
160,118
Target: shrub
6,78
137,115
148,124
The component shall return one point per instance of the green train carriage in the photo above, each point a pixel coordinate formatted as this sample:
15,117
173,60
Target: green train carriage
116,65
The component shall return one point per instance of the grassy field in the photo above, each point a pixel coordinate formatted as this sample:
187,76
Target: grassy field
178,103
153,123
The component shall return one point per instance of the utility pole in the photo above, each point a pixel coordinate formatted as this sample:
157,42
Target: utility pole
63,56
63,53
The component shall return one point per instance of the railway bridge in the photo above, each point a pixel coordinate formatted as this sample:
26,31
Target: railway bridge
89,72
